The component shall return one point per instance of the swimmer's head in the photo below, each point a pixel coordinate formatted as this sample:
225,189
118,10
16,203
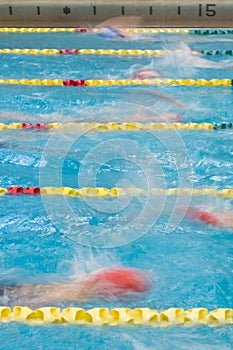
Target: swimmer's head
111,33
197,214
168,117
146,74
118,281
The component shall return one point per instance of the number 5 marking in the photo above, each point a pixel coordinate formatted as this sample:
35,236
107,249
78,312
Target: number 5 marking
209,10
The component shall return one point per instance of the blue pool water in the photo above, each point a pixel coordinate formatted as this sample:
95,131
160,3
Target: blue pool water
42,241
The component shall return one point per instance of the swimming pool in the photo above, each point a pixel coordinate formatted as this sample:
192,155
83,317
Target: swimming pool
55,238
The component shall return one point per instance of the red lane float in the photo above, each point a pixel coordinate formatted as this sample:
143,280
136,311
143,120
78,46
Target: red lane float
27,126
69,52
17,190
117,281
40,126
82,30
69,82
33,190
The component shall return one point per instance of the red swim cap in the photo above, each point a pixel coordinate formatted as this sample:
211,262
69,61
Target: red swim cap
171,116
208,218
118,281
204,216
146,74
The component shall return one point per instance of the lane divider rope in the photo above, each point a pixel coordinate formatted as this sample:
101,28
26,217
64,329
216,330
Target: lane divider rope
96,30
113,126
118,316
217,52
80,52
114,192
132,30
115,82
131,52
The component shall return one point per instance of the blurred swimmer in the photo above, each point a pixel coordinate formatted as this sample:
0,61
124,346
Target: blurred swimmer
110,29
186,57
113,33
223,219
111,282
161,95
113,29
146,74
137,109
171,117
156,118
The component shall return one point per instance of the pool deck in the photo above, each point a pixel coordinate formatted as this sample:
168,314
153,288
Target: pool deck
86,13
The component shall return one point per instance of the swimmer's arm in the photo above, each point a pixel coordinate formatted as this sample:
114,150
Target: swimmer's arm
227,218
164,97
121,22
50,293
